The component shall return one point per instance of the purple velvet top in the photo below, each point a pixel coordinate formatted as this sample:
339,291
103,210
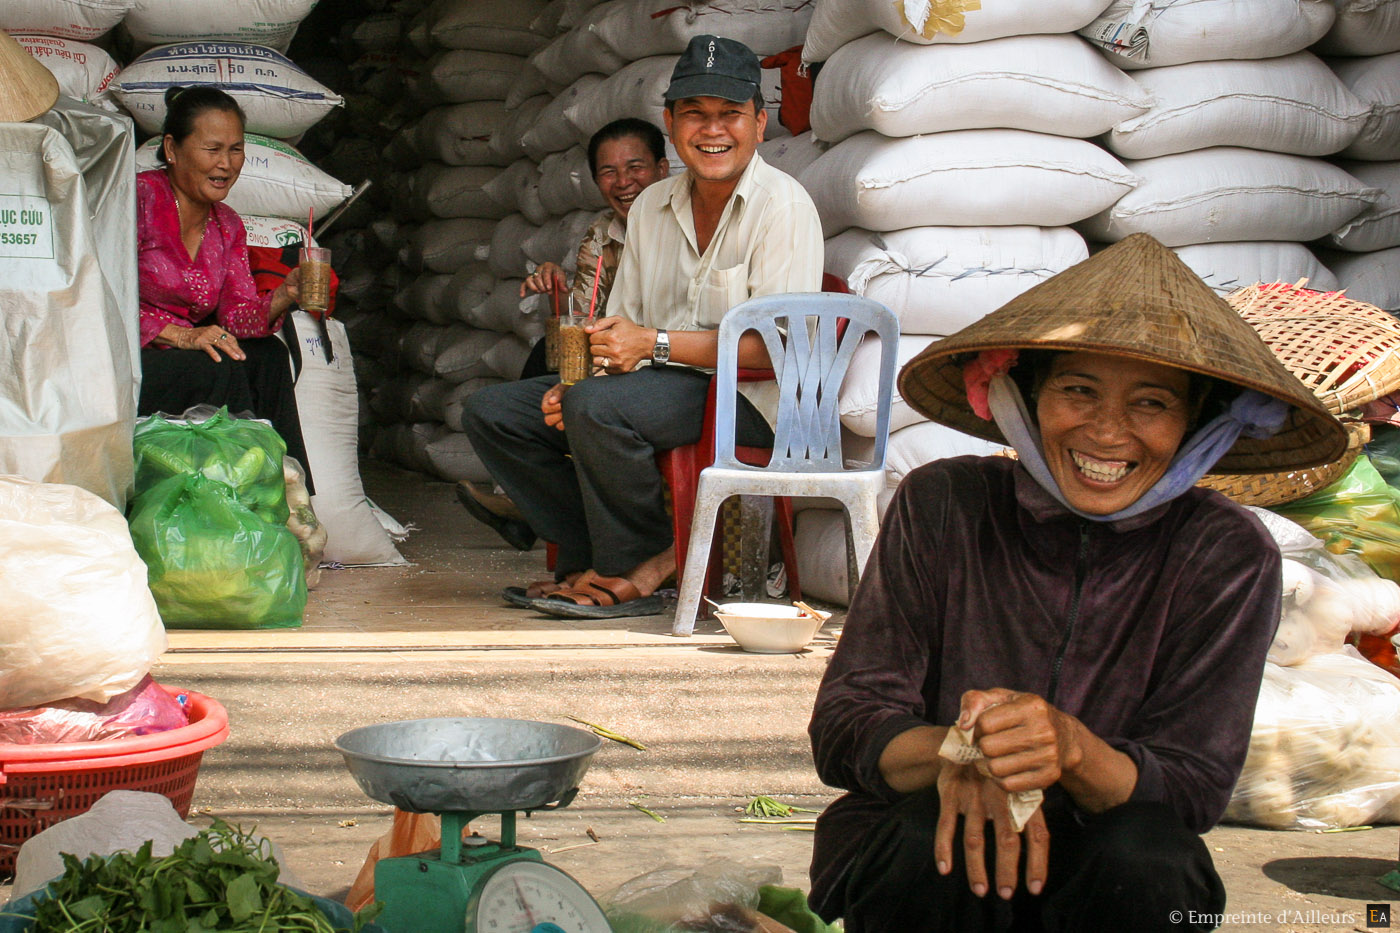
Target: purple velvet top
178,290
970,586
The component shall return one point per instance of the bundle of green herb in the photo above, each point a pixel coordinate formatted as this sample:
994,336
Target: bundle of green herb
220,879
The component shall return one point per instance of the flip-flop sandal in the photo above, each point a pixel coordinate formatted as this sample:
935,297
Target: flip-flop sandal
520,595
518,535
597,597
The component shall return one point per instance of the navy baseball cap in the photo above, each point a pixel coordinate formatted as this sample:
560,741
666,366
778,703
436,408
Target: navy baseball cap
712,66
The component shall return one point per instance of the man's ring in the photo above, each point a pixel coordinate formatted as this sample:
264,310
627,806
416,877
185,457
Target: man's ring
222,336
606,362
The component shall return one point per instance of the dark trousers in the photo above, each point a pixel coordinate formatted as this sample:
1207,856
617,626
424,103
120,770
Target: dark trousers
175,380
1134,867
594,489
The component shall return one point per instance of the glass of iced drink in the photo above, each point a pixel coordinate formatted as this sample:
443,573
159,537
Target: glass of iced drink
575,357
315,288
551,343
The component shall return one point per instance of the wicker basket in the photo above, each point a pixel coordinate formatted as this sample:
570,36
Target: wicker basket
1347,352
1270,489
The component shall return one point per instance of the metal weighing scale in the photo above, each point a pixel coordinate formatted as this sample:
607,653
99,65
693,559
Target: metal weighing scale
463,769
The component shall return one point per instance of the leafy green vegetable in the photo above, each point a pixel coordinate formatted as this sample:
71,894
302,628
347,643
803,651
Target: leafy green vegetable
221,879
763,805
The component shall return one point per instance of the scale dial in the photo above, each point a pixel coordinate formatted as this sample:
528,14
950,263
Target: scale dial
532,897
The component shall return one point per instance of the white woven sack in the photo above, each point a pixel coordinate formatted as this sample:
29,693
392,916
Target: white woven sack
912,447
965,177
938,280
1371,277
454,412
507,356
272,232
506,142
1376,81
1377,227
446,245
83,71
455,191
552,131
567,185
637,91
1293,104
1047,84
459,134
1154,33
79,620
378,32
469,287
1231,195
461,351
453,459
423,296
860,390
270,23
579,51
279,99
663,27
820,539
64,18
329,407
461,75
1226,267
837,22
484,25
529,83
558,240
501,307
277,181
792,154
507,257
1363,27
420,343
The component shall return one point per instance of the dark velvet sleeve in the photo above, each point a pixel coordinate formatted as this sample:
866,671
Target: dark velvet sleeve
1191,733
875,684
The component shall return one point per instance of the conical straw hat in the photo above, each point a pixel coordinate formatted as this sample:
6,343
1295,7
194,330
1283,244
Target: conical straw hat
27,88
1135,299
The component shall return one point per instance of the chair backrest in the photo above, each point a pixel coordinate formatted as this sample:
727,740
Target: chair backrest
809,365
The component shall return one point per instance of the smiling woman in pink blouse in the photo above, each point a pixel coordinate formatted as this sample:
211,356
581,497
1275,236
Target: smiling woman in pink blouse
207,335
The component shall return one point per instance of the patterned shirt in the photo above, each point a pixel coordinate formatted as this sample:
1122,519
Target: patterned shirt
602,241
186,292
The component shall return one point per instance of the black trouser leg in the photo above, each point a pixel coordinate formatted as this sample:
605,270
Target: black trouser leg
1126,869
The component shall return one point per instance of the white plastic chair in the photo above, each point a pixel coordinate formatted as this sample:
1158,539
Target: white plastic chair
809,365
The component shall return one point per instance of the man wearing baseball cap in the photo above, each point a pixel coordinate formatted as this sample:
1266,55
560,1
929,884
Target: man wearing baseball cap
580,464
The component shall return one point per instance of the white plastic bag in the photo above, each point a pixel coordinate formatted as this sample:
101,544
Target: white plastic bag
78,618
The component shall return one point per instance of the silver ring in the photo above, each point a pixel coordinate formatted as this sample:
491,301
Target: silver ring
606,362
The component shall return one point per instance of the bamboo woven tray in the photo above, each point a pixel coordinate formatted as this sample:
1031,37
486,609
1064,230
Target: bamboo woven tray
1347,352
1270,489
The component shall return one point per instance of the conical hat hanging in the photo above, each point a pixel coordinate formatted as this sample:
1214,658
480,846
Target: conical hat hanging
1135,299
27,88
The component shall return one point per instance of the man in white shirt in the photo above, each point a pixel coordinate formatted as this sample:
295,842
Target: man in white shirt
580,463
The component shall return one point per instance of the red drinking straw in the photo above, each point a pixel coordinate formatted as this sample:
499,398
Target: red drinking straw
310,212
597,274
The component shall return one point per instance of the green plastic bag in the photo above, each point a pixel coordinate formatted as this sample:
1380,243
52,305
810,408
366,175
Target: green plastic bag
1358,514
244,454
213,563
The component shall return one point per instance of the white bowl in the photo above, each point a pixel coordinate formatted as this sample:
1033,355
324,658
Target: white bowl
769,628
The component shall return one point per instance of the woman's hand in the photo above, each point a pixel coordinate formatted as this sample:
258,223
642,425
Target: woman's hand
548,276
284,296
552,404
618,345
211,340
1028,743
965,791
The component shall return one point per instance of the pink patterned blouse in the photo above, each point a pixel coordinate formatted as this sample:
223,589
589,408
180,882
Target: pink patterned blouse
178,290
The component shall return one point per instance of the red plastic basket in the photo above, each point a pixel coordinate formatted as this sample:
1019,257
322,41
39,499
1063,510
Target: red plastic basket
41,785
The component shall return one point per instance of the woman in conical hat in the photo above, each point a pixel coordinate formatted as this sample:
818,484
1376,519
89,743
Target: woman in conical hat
1045,685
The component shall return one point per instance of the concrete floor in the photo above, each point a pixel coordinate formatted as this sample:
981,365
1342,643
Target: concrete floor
720,725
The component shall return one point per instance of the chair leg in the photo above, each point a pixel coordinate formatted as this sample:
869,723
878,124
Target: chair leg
783,510
697,559
862,527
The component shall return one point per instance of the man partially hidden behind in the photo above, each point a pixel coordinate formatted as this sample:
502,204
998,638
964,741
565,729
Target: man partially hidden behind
626,157
580,464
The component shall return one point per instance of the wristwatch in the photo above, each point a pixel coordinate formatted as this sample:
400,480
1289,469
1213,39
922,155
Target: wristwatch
661,350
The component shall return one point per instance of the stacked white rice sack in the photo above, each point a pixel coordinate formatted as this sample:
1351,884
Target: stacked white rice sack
236,45
1214,130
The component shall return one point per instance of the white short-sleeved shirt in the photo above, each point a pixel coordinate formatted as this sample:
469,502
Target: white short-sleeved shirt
768,241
